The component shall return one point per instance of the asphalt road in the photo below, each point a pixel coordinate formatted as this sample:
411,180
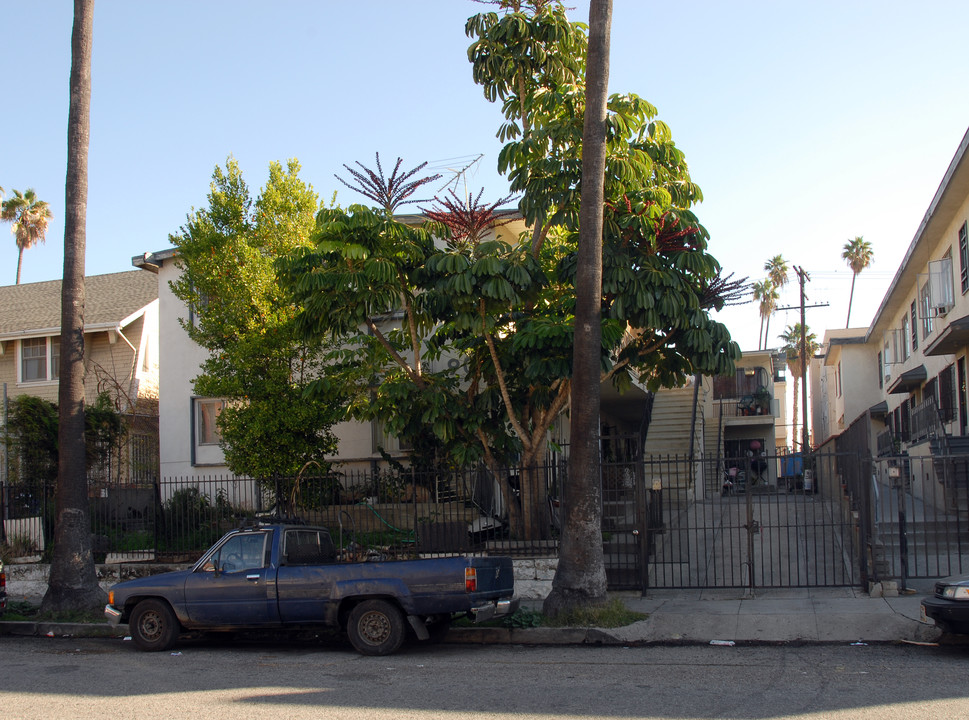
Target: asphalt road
110,679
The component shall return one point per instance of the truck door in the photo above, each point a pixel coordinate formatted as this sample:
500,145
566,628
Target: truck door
233,586
306,575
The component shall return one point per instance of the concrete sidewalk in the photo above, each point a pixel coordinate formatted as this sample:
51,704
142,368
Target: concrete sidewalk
835,615
831,615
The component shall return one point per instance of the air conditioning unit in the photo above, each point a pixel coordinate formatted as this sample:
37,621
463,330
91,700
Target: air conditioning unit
454,363
941,310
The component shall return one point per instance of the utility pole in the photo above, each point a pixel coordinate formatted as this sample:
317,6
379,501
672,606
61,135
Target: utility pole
802,278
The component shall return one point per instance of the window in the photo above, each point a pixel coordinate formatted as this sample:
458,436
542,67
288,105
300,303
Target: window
926,310
940,284
207,411
964,258
40,359
838,378
245,551
903,340
947,394
882,372
198,308
915,328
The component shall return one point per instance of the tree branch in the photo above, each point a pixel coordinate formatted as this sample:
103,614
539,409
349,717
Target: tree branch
416,378
503,387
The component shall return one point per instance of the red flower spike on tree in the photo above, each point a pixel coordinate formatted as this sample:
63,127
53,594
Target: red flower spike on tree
466,219
388,193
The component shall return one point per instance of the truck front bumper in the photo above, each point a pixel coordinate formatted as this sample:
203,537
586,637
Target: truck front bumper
493,609
113,616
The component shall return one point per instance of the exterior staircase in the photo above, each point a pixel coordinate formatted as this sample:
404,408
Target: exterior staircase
950,462
669,429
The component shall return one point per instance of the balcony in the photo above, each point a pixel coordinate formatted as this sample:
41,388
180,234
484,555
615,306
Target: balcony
749,406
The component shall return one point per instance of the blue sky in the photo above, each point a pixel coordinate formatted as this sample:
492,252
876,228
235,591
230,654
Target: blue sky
805,124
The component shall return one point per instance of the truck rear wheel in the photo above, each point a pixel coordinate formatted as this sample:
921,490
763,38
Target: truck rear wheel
153,625
376,627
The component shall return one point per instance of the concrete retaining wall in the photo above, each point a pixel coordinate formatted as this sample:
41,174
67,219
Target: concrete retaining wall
533,577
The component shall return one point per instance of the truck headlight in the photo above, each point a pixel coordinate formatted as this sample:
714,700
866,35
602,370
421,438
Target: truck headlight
956,592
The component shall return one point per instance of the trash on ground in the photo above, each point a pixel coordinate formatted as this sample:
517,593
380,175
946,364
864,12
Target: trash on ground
50,634
730,643
858,643
922,644
176,654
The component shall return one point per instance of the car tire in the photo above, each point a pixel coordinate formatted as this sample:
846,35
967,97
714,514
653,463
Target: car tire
376,627
153,626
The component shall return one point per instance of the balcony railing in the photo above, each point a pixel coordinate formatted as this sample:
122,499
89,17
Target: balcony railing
925,420
748,406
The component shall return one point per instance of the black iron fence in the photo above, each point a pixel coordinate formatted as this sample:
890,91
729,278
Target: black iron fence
829,519
385,513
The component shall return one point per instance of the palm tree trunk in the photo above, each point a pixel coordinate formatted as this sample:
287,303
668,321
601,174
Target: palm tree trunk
851,297
73,584
20,260
580,578
760,345
794,424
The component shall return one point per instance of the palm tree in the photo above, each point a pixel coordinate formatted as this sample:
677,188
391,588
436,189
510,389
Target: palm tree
73,582
766,294
859,255
30,218
580,578
797,361
777,272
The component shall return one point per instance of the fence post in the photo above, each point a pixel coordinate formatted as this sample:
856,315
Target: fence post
902,535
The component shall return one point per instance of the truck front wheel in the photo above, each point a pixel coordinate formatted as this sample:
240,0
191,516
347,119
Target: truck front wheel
376,627
153,625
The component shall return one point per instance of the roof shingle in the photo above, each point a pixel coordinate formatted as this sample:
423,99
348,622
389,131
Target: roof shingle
110,298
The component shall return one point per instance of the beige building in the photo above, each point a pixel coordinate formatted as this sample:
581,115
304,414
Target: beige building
844,382
120,351
120,339
900,386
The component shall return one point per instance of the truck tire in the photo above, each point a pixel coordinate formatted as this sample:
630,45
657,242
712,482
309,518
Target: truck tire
153,626
376,627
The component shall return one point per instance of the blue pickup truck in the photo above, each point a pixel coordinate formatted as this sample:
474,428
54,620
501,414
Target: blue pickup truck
289,576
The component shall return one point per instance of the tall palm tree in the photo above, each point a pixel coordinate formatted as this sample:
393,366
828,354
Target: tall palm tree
797,361
73,582
778,272
765,293
859,255
580,578
30,218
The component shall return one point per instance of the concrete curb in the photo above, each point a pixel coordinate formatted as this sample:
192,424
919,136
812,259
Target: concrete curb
629,636
26,628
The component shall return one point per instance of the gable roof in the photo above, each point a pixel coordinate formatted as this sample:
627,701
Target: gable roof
110,301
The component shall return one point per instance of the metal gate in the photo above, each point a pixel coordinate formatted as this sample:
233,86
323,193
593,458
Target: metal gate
915,514
751,522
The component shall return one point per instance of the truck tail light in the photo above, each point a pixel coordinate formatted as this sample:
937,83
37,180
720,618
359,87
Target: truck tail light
110,597
3,580
470,579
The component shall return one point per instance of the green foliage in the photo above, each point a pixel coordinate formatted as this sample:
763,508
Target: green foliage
258,360
611,615
33,429
500,301
658,279
524,618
